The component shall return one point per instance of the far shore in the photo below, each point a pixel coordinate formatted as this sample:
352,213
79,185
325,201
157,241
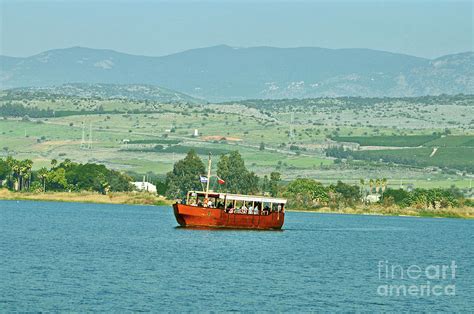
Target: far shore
453,212
131,198
144,198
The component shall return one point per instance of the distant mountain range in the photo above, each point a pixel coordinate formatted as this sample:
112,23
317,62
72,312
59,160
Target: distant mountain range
109,91
224,73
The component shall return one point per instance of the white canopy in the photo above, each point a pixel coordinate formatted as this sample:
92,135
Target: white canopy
252,198
246,198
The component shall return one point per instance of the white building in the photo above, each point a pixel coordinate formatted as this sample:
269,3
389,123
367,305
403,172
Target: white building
145,186
372,198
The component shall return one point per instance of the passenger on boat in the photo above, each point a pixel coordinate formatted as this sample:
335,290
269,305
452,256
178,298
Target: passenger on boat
243,209
266,210
255,210
250,210
210,204
279,207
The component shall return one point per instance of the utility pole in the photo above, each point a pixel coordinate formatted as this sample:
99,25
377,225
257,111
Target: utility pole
90,136
291,125
83,141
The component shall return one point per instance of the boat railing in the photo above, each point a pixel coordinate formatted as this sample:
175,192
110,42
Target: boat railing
251,213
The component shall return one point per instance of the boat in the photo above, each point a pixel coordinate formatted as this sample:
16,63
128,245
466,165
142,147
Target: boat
211,209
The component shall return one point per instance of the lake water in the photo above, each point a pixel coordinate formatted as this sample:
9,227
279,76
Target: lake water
83,257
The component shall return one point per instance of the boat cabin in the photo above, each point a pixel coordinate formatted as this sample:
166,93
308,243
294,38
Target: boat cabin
236,203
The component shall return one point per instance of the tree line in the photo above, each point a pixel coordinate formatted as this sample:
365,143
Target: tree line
350,101
18,110
302,193
17,175
231,168
308,193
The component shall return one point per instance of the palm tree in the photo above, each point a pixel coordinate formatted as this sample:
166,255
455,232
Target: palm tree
13,177
23,170
42,174
362,186
377,185
371,184
28,165
384,185
54,162
16,175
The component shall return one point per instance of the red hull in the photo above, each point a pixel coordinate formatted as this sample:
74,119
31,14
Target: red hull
194,216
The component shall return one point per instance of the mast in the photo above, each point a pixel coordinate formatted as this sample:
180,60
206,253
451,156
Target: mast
208,175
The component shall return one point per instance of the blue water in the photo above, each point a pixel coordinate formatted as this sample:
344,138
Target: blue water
83,257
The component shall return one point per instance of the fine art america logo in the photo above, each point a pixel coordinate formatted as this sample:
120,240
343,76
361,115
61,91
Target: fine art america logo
416,280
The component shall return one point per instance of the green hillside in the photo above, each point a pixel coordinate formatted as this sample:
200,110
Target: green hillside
291,136
395,140
453,141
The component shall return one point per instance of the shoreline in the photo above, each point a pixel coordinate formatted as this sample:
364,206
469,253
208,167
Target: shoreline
457,213
126,198
143,198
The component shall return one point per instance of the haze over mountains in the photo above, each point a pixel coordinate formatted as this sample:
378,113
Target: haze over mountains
223,73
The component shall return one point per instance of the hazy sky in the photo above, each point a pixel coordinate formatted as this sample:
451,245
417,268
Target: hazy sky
422,28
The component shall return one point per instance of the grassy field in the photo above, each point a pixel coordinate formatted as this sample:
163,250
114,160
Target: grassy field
447,151
453,141
451,157
294,133
410,140
389,140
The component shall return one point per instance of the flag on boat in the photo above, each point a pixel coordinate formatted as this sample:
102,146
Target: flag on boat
203,179
220,181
